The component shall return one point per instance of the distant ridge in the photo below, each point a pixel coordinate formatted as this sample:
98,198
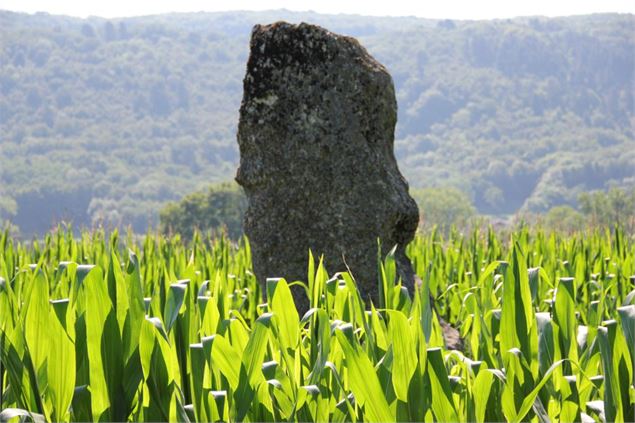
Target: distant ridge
106,120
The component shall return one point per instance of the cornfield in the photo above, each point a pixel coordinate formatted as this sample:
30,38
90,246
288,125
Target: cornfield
104,329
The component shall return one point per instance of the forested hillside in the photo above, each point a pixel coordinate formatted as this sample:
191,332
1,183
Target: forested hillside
107,120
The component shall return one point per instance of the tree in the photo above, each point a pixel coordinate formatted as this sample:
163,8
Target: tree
443,207
564,218
8,206
613,208
220,208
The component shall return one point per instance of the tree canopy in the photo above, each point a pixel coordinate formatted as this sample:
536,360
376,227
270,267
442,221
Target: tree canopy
108,120
443,207
219,209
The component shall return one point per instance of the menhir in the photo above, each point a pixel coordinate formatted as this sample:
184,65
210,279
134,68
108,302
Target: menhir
316,137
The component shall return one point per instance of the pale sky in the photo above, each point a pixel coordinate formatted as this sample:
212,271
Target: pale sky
438,9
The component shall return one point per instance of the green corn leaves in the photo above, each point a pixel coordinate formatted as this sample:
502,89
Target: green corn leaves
363,380
440,391
518,321
91,330
404,362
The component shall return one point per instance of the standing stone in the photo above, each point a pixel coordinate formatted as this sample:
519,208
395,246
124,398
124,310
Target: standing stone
316,136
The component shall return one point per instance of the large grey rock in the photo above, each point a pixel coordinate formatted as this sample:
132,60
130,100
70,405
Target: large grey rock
317,164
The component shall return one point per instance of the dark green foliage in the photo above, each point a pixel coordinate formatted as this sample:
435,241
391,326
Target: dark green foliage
443,207
221,207
596,209
564,219
613,208
104,121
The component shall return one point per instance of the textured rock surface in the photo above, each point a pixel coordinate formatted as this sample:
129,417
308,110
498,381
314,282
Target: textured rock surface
316,137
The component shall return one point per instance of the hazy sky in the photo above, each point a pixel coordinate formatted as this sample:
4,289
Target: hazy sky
454,9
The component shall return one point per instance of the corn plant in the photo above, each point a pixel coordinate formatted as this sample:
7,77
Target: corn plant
97,328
